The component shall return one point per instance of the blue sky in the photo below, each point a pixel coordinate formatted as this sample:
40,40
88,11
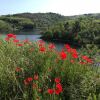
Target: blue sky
64,7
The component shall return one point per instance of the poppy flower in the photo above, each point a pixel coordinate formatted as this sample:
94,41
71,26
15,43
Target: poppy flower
59,87
50,91
14,36
18,69
72,61
19,44
75,55
86,58
36,77
83,63
42,49
57,80
41,41
89,61
26,41
15,40
7,38
41,45
57,91
69,50
26,82
74,51
67,46
51,46
29,79
63,55
10,35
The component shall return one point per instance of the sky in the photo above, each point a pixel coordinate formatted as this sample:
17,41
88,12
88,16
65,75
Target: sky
64,7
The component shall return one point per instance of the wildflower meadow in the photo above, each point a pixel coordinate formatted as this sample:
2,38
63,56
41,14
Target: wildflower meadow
38,71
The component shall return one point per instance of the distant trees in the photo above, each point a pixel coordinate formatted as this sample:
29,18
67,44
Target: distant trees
29,21
66,26
81,30
76,27
5,27
18,23
42,19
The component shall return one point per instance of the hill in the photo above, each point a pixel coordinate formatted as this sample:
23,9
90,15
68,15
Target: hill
42,19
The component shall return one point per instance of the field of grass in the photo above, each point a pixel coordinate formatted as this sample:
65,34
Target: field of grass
37,71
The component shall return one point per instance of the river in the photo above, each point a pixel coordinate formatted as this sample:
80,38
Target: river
35,37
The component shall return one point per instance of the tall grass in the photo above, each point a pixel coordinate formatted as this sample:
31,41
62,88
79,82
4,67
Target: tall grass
32,71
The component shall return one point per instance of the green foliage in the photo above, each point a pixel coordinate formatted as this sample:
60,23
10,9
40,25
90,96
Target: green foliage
4,26
18,23
82,31
42,20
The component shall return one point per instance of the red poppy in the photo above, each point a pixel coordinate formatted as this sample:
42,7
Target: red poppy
36,77
69,50
75,55
57,80
73,51
41,45
26,82
89,61
20,44
41,41
26,41
50,91
18,69
7,38
63,55
10,35
72,61
42,49
86,58
57,91
29,79
14,36
67,46
59,87
51,46
15,40
83,63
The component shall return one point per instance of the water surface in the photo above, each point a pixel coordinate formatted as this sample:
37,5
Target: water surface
35,37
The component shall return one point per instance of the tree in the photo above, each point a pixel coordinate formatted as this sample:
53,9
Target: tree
76,27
